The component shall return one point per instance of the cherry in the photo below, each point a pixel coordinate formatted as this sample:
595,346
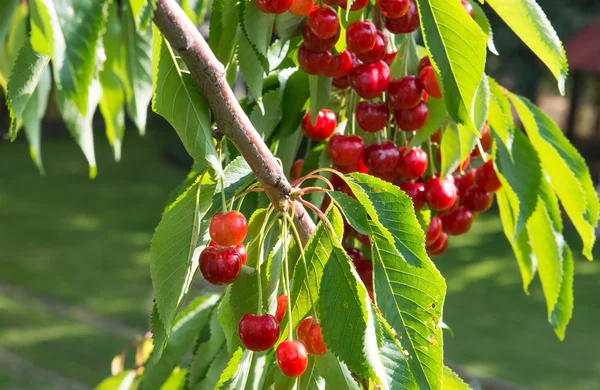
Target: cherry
462,166
370,80
416,191
459,222
361,36
365,271
332,3
323,21
434,230
436,137
381,158
430,83
309,334
296,169
468,7
292,358
220,265
413,164
258,333
376,53
405,24
358,167
345,150
355,254
486,177
228,229
404,93
412,119
301,7
439,246
282,301
485,140
356,5
303,330
388,58
323,128
313,62
273,6
440,194
372,116
477,199
314,43
341,82
393,9
363,238
465,181
340,65
241,250
425,61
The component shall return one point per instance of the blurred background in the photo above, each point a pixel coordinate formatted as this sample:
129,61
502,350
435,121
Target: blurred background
75,287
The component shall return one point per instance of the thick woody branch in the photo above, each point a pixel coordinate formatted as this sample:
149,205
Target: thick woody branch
232,121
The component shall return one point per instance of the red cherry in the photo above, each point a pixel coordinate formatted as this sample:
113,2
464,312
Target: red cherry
370,80
372,116
315,338
412,119
388,58
452,209
477,199
485,140
220,265
365,271
440,194
434,230
340,65
292,358
228,229
313,62
341,82
358,167
430,83
416,191
323,21
436,137
376,53
323,128
345,150
273,6
332,3
382,158
301,7
314,43
356,5
258,333
363,238
355,254
282,301
393,8
459,222
405,24
468,7
486,177
296,169
241,250
413,164
425,61
361,36
439,246
405,93
303,330
465,181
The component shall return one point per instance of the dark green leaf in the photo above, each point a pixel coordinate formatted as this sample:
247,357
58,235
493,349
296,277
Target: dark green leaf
251,66
7,9
266,119
407,60
310,379
320,90
395,362
33,115
236,175
258,27
353,211
287,25
295,95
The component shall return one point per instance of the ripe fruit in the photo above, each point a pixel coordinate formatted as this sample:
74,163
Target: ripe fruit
458,222
356,5
359,167
376,53
282,301
340,65
355,254
405,93
345,150
220,265
429,82
485,140
381,158
412,119
313,62
464,182
323,21
477,199
341,82
393,9
292,358
314,43
273,6
370,80
301,7
309,333
361,36
486,177
413,164
425,61
365,271
440,194
228,229
241,250
258,333
468,7
296,169
405,24
434,230
439,246
323,128
372,116
416,191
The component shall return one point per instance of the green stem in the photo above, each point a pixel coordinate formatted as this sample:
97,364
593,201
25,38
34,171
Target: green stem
261,244
481,151
287,277
223,199
432,167
402,137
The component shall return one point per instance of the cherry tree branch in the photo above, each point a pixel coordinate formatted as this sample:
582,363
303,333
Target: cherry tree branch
232,121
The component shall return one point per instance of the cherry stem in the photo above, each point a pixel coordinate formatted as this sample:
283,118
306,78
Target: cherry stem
310,190
286,272
402,137
481,151
310,176
222,175
261,243
432,167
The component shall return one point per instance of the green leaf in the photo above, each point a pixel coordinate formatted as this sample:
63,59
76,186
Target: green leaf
310,379
207,353
457,144
529,22
236,175
7,9
137,64
453,381
353,211
122,381
195,10
173,250
235,374
175,381
457,49
224,16
335,372
13,35
288,25
142,11
32,117
112,103
482,103
407,60
295,95
566,168
258,27
563,311
320,90
437,117
185,329
175,93
398,374
251,66
483,22
265,120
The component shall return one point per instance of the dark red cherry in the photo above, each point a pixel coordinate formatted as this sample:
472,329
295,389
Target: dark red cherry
429,82
416,191
459,222
468,7
340,65
309,334
485,140
361,36
405,24
241,250
345,150
370,80
303,330
358,167
292,358
355,254
477,199
486,177
425,61
376,53
464,182
323,128
393,9
324,22
412,164
220,265
282,301
313,62
273,6
356,5
258,333
341,82
228,229
405,93
381,158
388,58
436,137
434,230
372,116
314,43
463,165
301,7
439,246
332,3
441,194
413,118
365,271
